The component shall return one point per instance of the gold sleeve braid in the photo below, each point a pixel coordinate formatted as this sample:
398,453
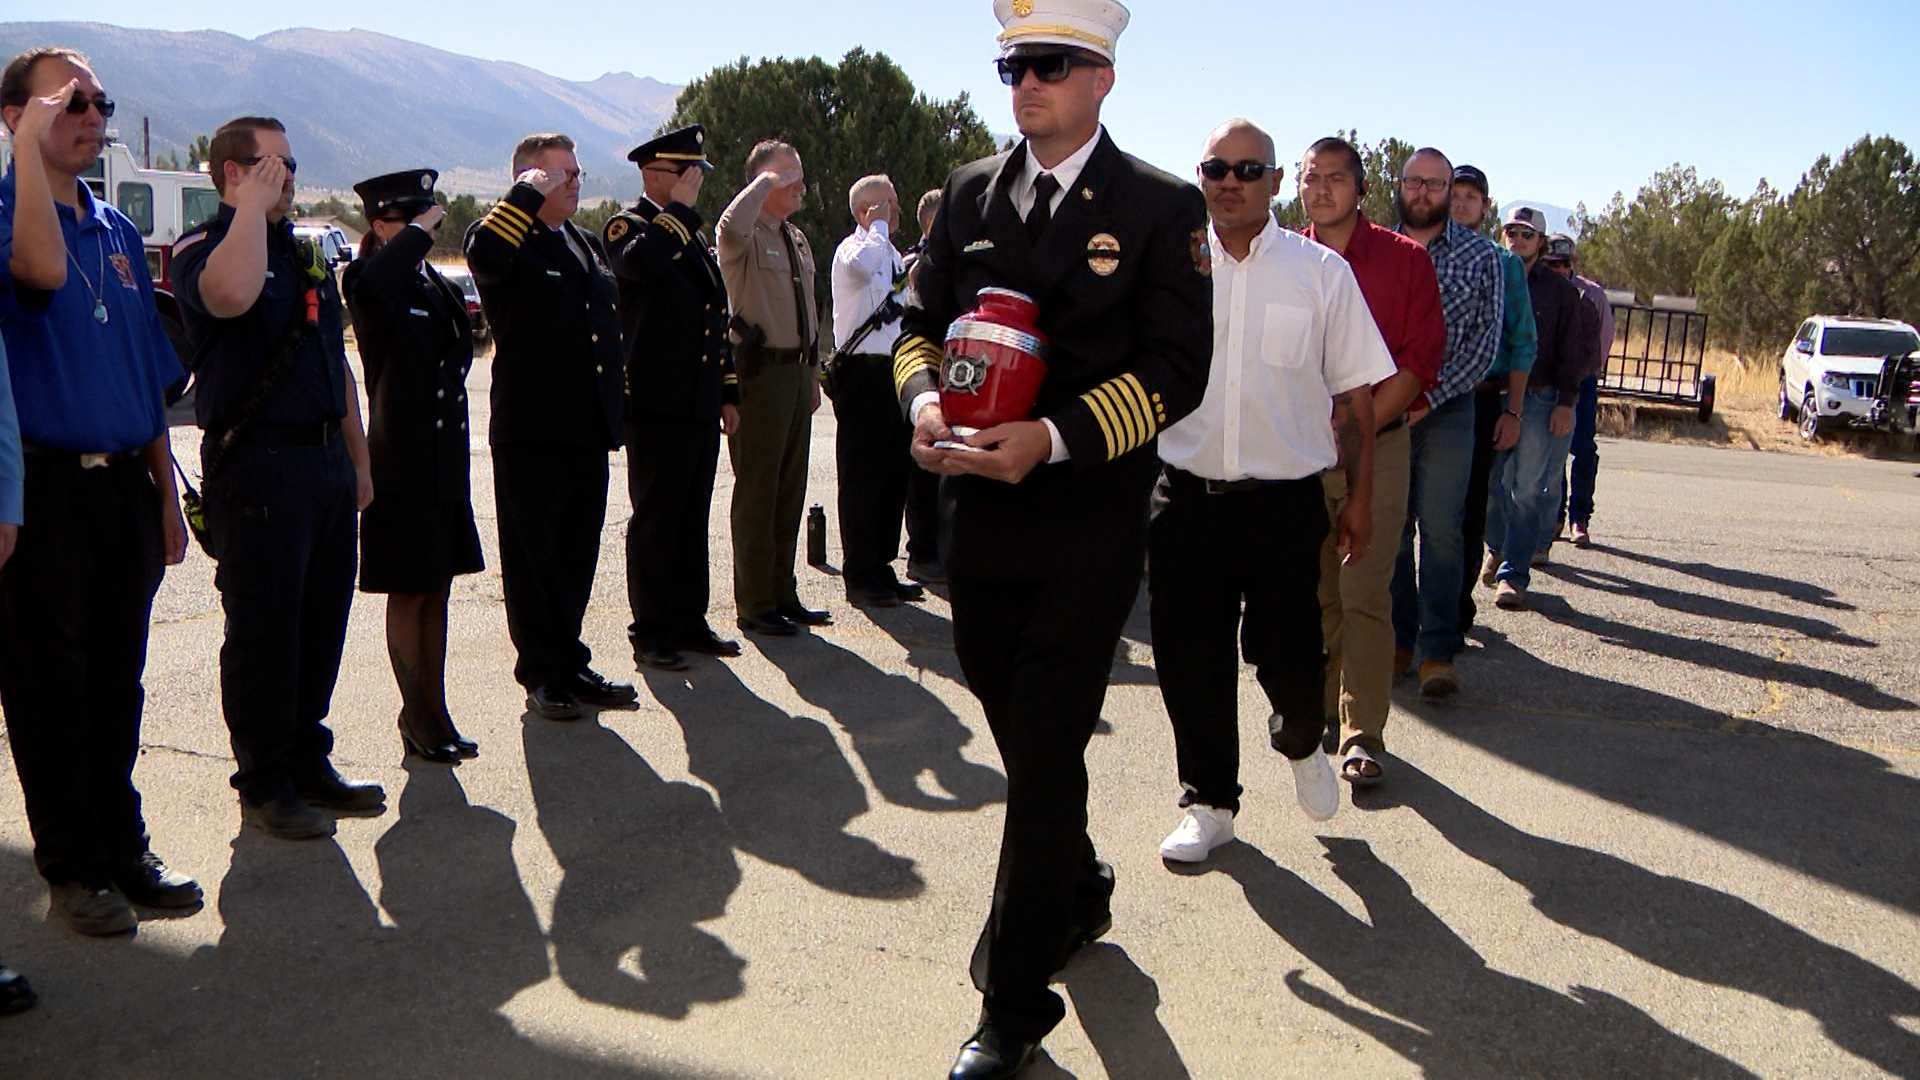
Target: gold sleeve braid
675,226
913,355
509,222
1128,416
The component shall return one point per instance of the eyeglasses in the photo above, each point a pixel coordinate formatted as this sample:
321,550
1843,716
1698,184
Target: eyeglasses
574,175
78,103
670,170
249,162
1524,232
1245,171
1050,67
1415,183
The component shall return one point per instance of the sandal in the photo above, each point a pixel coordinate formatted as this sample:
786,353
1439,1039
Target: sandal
1359,768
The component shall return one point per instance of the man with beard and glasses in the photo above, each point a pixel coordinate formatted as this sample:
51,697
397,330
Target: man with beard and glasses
1050,515
1356,601
1494,429
1426,601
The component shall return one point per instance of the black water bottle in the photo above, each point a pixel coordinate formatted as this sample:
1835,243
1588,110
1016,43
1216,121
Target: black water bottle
817,535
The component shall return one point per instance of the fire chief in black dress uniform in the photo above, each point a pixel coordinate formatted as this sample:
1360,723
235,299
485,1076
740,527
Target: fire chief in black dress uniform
681,396
557,410
416,344
1050,522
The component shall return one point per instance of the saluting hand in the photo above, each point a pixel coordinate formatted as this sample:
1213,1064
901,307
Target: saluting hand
429,219
36,120
544,182
686,190
261,188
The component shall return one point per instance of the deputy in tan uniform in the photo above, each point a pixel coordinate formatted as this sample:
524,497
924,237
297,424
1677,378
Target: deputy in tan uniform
775,331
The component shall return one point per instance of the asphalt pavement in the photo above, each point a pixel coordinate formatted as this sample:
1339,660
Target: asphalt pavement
1670,828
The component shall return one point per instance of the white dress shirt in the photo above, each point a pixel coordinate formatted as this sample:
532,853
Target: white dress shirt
865,266
1291,331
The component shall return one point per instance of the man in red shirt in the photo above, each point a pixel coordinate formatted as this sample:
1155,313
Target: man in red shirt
1397,278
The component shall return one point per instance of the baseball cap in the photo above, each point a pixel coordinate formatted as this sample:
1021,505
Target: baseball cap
1528,216
1560,248
1472,177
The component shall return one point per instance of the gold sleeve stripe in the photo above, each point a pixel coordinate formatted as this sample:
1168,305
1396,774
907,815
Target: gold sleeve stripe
512,213
506,227
509,237
1149,422
913,355
1126,427
1109,424
674,226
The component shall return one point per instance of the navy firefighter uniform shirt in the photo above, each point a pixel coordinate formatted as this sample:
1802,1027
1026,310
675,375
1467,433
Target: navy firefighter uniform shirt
231,355
90,361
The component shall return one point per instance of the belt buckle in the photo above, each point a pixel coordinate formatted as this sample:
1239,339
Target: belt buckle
95,461
1218,487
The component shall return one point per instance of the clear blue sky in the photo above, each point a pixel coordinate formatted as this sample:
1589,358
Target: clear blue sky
1558,102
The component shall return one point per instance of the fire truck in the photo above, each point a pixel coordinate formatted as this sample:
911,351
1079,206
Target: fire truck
161,203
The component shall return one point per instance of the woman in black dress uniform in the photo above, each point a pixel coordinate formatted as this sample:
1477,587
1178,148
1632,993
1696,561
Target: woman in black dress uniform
416,344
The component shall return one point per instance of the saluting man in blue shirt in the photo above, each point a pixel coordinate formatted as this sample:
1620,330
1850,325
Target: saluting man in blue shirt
100,520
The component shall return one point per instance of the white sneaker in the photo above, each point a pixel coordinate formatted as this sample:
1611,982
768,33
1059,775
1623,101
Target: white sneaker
1315,786
1203,829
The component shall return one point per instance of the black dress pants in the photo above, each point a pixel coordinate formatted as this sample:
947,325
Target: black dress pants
285,523
75,600
1038,655
552,502
670,470
929,513
872,451
1487,409
1211,554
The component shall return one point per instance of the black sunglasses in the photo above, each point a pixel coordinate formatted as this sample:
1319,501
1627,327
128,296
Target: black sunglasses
249,162
1524,232
1247,171
77,105
1049,67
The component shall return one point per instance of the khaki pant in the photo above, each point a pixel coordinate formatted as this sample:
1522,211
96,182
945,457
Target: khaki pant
769,455
1356,607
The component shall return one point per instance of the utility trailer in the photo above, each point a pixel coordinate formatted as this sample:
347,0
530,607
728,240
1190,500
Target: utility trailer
1659,354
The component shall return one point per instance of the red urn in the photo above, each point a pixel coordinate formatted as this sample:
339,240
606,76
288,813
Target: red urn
995,362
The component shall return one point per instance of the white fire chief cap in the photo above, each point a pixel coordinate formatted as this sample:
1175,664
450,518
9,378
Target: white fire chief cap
1093,25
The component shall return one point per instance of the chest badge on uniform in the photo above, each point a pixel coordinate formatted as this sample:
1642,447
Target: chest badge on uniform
123,266
1103,254
616,229
977,245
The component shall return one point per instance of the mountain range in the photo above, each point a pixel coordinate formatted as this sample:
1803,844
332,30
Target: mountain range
358,104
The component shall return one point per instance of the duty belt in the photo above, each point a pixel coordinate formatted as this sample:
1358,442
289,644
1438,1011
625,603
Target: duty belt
84,461
313,433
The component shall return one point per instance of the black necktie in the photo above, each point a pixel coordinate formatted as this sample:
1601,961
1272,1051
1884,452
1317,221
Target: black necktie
1045,187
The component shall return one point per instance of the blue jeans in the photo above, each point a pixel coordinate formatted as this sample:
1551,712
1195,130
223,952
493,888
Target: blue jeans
1586,454
1426,609
1524,494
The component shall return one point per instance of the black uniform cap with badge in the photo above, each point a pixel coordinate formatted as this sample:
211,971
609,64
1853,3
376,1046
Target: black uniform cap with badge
399,196
681,147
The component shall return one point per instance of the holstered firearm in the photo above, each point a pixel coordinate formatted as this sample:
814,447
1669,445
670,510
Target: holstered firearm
749,347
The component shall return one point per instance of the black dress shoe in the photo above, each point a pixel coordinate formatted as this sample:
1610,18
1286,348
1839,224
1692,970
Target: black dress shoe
15,994
926,571
705,642
908,592
327,790
879,595
803,615
990,1055
660,657
148,882
462,745
286,818
434,748
554,702
594,688
770,623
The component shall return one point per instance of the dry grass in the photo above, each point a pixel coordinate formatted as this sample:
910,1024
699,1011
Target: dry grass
1746,414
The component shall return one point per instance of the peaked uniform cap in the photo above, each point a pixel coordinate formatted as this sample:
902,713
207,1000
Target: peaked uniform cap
407,193
1093,25
687,145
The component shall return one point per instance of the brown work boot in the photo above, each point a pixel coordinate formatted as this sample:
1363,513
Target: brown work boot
1438,679
1490,570
1402,662
1510,597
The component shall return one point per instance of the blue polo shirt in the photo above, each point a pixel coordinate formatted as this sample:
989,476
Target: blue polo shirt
13,471
79,384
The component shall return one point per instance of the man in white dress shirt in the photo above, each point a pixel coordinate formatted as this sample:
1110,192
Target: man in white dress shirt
1245,516
872,437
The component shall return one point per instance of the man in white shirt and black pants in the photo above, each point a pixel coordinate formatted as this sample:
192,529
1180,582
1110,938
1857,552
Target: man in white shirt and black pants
1245,517
872,437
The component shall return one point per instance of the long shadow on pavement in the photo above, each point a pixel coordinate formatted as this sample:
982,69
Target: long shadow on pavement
1119,1005
786,791
646,860
1689,929
1734,577
1824,809
1432,999
899,728
305,980
1705,607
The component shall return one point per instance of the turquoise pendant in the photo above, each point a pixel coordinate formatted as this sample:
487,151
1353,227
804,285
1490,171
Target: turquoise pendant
100,312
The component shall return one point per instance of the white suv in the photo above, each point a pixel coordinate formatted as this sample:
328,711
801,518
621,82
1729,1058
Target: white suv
1831,372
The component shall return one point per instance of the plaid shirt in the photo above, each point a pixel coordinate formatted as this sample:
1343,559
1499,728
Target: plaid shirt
1472,300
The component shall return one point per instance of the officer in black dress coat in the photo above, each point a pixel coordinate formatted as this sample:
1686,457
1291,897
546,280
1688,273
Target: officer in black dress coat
418,534
681,396
557,409
1050,523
